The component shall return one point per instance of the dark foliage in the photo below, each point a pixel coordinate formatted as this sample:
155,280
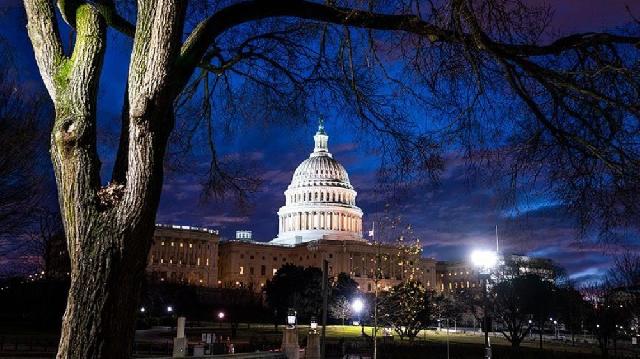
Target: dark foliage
295,287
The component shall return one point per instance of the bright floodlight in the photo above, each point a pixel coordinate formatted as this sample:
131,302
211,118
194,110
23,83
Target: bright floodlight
484,259
357,305
169,309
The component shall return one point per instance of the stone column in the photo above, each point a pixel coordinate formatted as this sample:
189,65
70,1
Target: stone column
290,346
313,345
180,342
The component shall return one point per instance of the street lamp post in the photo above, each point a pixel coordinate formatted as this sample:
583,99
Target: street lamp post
485,261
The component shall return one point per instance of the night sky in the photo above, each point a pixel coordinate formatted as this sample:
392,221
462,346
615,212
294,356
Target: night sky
451,218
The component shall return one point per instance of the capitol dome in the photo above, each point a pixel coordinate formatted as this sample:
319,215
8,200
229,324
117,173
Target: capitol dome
320,202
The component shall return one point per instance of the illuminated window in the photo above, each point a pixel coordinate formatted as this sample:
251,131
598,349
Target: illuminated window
170,261
181,244
162,243
198,262
161,260
241,270
274,271
207,261
190,245
172,244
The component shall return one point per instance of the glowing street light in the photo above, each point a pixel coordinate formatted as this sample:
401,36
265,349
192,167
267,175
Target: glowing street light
357,306
221,315
483,259
169,309
142,310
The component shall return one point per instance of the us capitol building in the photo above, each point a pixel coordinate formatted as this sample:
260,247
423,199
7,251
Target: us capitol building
319,221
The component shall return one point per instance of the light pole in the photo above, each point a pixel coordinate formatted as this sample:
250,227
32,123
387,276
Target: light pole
357,307
485,261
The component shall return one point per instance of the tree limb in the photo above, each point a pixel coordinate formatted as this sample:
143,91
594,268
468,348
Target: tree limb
45,38
206,31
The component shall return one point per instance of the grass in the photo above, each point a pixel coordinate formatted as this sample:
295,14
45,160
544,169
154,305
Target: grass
347,332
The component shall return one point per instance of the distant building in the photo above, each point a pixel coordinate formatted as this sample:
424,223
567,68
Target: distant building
244,235
319,221
184,254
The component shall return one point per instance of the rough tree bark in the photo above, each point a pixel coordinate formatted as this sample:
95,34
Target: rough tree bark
109,228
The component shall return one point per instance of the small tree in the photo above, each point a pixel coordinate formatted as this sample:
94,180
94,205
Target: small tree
406,308
540,303
514,306
340,308
572,310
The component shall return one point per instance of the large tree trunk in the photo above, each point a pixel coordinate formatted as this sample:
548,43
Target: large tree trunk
108,228
100,317
109,259
108,249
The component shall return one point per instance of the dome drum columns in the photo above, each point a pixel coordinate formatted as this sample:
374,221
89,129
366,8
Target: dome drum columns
320,220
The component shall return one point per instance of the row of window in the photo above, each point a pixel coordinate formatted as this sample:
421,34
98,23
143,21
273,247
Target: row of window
457,273
171,260
284,259
461,285
322,196
263,270
181,245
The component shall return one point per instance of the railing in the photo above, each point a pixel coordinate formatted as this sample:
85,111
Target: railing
256,355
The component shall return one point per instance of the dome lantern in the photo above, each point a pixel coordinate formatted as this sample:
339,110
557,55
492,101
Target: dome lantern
321,141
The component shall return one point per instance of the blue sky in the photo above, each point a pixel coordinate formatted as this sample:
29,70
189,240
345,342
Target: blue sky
451,217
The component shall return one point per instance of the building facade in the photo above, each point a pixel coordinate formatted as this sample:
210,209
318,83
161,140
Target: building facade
184,254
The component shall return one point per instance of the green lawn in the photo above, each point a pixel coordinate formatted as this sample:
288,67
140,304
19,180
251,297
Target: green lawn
336,332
